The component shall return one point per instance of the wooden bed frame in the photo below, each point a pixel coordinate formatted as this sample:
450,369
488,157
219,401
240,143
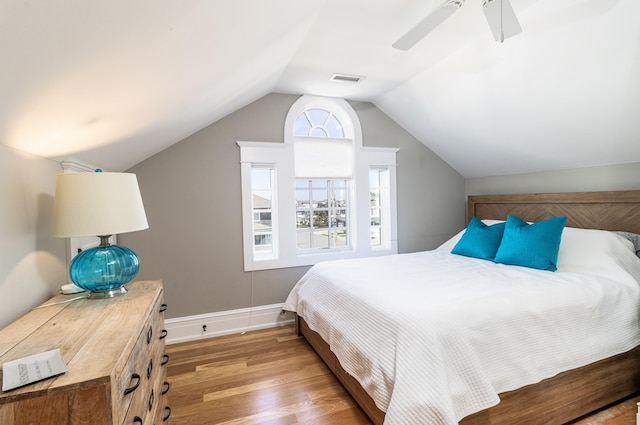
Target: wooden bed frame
573,393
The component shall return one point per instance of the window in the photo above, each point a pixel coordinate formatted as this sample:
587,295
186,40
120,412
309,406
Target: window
320,195
262,183
323,166
315,122
322,214
376,178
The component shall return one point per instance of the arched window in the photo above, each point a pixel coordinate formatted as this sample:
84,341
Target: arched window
317,122
344,194
323,166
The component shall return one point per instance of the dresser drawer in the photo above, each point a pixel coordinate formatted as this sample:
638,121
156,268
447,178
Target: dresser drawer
136,381
148,405
143,406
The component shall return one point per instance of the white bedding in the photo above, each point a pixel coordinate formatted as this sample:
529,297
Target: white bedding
433,336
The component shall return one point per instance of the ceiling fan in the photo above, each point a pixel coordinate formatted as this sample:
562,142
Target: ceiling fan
500,16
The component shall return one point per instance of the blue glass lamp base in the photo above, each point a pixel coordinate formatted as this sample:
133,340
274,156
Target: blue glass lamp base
104,270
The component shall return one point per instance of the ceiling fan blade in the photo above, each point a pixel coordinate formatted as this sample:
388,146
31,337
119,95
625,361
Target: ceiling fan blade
501,18
428,24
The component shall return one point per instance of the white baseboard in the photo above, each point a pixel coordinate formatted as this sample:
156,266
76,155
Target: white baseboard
190,328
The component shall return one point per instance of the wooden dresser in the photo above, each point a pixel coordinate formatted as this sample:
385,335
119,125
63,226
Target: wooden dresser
115,354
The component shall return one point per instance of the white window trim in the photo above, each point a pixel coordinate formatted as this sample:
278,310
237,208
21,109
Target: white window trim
284,220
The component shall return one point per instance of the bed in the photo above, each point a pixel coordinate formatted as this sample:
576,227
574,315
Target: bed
559,393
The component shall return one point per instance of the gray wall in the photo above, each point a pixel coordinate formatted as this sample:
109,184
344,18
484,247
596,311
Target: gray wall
32,263
429,190
589,179
192,194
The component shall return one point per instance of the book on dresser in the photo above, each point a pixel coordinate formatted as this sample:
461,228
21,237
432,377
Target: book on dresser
114,350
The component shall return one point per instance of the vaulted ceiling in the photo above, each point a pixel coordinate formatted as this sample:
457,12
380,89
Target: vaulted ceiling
114,82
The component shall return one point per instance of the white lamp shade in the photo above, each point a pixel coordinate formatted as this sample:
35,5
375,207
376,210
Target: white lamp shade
97,204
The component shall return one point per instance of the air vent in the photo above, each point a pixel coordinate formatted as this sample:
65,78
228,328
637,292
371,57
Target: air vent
344,78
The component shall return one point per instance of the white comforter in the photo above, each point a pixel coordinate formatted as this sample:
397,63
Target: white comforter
433,337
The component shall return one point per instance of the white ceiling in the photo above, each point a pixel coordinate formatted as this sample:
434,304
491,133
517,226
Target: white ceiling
114,82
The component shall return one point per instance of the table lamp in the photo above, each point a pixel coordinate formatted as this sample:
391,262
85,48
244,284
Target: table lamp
99,204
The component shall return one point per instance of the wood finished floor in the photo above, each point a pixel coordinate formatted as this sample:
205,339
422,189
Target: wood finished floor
273,377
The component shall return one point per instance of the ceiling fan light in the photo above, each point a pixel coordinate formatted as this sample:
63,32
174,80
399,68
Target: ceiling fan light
501,18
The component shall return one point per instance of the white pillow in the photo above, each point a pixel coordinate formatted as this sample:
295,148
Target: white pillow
589,248
448,245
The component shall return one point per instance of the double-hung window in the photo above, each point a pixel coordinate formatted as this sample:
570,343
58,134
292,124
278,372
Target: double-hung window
320,195
262,191
322,214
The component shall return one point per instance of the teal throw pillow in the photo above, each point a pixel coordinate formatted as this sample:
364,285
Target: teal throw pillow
531,245
480,240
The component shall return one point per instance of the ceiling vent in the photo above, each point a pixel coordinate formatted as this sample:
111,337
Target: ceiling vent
344,78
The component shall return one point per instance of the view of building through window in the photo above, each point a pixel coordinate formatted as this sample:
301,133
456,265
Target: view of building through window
262,178
321,214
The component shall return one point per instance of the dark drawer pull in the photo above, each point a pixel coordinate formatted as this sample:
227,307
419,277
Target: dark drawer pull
149,369
135,386
151,397
168,410
165,359
163,308
164,334
149,334
165,387
137,420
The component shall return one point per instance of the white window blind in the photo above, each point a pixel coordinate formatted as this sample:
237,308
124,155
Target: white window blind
323,158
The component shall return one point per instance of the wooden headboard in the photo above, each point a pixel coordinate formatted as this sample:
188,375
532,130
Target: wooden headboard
619,210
